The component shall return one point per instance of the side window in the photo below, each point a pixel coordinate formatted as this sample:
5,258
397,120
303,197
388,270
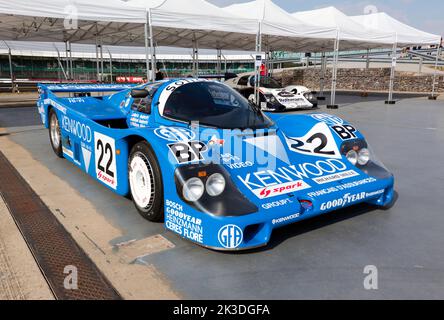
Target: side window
243,81
142,105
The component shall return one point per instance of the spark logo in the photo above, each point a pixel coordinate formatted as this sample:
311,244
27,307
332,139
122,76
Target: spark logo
280,189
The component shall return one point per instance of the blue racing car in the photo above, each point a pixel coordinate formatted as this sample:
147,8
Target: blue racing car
209,163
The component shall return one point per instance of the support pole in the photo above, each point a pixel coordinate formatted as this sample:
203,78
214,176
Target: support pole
97,61
110,66
421,62
102,70
152,47
147,48
70,61
392,74
68,71
219,62
367,67
60,63
332,104
257,75
322,79
11,70
433,96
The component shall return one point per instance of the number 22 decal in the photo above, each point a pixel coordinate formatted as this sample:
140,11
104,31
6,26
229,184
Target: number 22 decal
108,151
105,158
319,141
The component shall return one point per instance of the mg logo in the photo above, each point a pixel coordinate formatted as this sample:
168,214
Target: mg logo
230,236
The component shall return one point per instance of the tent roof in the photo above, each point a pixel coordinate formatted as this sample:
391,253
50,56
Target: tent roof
178,23
406,35
352,34
49,49
281,29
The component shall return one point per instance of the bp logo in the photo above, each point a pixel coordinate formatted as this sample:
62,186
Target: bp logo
175,134
230,236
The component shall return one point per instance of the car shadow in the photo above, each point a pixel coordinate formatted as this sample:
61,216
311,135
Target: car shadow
280,235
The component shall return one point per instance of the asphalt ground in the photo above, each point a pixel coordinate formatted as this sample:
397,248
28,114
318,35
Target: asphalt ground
322,258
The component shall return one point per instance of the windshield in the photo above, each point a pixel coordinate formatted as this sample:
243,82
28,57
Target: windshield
267,82
214,104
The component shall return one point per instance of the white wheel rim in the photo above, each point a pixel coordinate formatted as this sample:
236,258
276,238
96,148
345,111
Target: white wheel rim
141,181
55,131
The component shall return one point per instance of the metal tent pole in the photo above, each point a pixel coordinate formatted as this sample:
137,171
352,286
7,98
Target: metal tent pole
257,75
60,62
219,62
433,96
152,47
110,65
102,71
322,79
332,104
367,67
11,70
97,60
68,72
71,73
392,73
147,48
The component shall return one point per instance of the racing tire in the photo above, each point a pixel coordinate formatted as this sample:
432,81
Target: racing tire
145,181
55,133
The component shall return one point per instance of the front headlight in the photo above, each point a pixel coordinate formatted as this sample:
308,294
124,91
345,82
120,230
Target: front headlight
352,156
215,184
193,189
363,157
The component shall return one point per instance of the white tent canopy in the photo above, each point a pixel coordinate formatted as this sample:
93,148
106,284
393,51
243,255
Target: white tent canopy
351,34
182,23
281,31
86,51
406,35
44,20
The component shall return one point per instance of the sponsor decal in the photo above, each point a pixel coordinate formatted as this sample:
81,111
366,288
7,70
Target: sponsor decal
139,120
285,219
276,204
86,157
76,100
234,162
291,178
328,119
77,129
230,236
341,187
67,152
175,134
186,152
181,223
56,105
336,176
105,159
318,142
349,199
285,94
345,132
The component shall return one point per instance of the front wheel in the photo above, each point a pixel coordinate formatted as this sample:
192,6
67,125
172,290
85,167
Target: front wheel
146,182
55,134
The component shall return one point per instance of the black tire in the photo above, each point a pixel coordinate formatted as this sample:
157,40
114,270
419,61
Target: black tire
56,147
151,186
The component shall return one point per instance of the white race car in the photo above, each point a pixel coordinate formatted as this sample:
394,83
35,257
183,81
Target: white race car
272,96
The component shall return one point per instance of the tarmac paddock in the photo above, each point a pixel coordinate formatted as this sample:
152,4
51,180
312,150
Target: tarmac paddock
321,258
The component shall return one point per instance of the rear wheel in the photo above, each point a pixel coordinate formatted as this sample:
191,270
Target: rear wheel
146,182
55,134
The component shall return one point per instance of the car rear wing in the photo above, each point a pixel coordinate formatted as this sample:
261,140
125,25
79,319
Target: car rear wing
83,88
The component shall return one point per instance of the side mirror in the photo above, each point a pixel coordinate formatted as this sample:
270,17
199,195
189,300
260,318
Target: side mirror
139,93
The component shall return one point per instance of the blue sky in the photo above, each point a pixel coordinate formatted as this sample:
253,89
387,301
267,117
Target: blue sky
427,15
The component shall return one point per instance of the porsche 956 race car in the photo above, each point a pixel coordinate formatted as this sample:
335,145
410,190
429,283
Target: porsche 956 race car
272,96
198,156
